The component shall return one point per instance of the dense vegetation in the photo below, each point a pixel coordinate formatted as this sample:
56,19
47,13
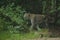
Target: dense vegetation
12,11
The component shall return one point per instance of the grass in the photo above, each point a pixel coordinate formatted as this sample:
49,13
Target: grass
26,36
4,35
11,36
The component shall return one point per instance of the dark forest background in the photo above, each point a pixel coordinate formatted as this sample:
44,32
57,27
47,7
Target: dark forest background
12,11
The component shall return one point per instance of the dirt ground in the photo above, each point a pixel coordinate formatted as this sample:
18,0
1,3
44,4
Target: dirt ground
45,39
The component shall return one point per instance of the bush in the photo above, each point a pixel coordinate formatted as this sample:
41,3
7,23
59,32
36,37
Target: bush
12,17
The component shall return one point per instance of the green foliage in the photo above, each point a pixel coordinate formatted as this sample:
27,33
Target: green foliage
12,17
